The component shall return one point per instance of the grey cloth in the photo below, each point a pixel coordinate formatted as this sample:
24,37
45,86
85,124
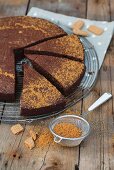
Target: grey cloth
100,43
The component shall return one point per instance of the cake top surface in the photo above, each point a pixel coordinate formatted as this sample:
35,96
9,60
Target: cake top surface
65,71
19,31
26,22
67,45
37,90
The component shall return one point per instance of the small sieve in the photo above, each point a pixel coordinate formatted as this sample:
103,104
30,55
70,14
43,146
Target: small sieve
79,121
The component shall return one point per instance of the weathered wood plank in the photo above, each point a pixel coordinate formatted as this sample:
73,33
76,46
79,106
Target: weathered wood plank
11,8
107,115
50,5
98,10
72,7
8,142
112,9
90,148
99,143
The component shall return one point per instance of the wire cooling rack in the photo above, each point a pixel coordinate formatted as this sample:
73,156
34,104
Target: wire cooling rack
10,112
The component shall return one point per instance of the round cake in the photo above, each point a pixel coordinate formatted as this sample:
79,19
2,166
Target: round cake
57,64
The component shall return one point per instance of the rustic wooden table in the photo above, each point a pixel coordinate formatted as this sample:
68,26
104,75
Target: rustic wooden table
97,151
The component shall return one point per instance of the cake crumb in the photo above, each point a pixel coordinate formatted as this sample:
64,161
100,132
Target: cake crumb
29,143
16,129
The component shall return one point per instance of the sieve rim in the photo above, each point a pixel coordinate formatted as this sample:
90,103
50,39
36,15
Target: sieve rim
73,116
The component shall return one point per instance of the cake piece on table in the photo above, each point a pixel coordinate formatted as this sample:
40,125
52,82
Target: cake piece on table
39,96
63,73
67,47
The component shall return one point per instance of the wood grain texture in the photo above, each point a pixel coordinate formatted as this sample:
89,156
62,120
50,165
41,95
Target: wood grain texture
98,10
112,9
99,145
73,7
97,151
12,8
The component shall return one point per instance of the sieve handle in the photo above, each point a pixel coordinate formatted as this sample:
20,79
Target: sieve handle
57,139
101,100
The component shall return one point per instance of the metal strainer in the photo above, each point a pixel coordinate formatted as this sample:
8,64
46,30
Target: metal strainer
78,121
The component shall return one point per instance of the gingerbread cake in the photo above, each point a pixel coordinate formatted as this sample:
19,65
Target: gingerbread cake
57,60
63,73
39,96
7,73
68,46
15,33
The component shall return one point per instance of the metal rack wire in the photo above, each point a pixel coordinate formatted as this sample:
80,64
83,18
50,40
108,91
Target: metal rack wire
10,112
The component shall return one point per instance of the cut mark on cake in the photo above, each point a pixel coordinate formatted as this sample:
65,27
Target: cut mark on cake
53,54
41,41
54,79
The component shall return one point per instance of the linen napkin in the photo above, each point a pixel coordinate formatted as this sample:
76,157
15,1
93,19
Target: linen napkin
100,43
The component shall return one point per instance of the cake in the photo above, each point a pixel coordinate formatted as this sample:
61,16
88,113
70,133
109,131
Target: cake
57,60
28,29
7,74
68,46
39,96
16,33
63,73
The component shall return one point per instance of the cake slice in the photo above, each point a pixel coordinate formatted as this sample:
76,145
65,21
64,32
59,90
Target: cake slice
63,73
25,30
67,47
15,33
7,74
39,96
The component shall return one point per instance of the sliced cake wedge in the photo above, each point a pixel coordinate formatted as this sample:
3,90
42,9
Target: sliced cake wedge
39,96
63,73
68,46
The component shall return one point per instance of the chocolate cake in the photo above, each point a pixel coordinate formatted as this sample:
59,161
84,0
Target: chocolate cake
15,33
23,31
57,58
7,74
39,96
63,73
68,46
